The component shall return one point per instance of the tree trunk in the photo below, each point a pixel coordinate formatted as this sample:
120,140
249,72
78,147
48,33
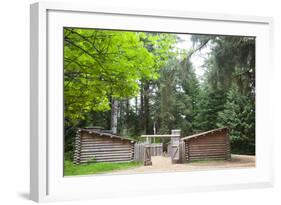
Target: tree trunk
127,112
141,111
136,104
114,115
146,107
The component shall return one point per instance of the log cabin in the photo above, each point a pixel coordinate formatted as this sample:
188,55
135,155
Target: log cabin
97,145
213,144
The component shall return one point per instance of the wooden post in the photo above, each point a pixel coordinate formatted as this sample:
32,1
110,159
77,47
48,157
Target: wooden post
228,149
147,156
114,111
187,151
182,152
175,146
77,151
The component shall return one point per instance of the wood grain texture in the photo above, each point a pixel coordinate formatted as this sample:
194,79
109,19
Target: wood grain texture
209,145
90,146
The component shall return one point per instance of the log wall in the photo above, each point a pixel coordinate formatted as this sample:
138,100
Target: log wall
102,149
210,146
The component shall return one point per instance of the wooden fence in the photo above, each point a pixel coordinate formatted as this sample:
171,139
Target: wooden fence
156,149
139,152
144,151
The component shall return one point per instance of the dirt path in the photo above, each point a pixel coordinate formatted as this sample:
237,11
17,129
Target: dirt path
163,164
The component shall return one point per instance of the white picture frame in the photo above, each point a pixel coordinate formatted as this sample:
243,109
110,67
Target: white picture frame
46,137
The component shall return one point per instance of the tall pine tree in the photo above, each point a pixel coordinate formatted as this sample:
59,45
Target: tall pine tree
239,116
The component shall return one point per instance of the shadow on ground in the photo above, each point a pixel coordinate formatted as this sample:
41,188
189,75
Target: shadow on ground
24,195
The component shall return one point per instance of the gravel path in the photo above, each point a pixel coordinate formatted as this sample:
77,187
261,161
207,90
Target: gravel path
163,164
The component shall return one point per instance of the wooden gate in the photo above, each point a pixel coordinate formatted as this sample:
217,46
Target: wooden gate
156,149
147,155
142,153
175,153
176,148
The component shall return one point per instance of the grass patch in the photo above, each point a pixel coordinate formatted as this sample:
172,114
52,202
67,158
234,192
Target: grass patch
71,169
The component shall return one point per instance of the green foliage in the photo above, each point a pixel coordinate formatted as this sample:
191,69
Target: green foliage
227,97
232,61
101,64
71,169
239,116
210,103
176,101
69,140
155,83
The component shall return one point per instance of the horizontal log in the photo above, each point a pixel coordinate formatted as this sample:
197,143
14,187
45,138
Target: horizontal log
208,149
207,141
207,158
208,145
106,158
104,153
106,146
209,155
107,150
104,137
104,143
206,155
100,149
109,160
106,140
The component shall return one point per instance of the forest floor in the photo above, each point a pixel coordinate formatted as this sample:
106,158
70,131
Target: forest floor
163,164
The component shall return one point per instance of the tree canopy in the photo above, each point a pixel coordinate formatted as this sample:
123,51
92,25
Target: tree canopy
100,64
141,81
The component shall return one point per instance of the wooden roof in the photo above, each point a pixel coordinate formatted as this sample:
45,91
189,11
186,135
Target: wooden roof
107,133
204,133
